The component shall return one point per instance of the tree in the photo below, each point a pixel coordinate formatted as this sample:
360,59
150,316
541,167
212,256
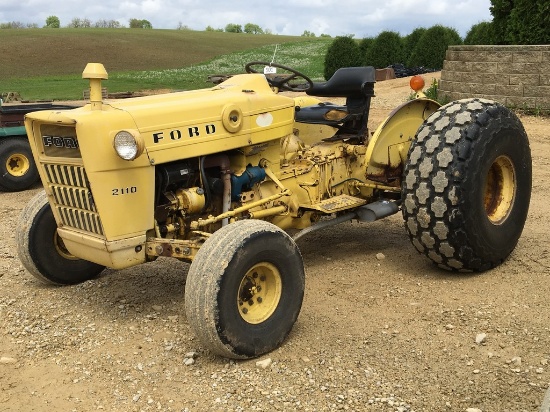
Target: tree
234,28
452,36
107,24
480,33
432,46
385,50
182,26
364,46
12,25
521,21
52,22
140,24
79,23
342,52
251,28
308,33
410,41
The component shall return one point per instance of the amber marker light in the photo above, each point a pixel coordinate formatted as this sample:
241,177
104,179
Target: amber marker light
417,83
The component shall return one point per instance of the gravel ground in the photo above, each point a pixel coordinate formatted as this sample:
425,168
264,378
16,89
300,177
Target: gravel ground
381,328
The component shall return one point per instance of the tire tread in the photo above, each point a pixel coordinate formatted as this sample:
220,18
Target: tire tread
434,178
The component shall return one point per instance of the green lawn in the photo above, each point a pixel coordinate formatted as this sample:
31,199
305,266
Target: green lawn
50,62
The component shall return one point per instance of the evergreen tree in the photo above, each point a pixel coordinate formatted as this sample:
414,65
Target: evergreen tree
480,33
432,46
387,49
342,52
521,21
501,10
364,46
410,41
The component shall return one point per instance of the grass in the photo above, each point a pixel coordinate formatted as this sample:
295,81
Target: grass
306,57
49,63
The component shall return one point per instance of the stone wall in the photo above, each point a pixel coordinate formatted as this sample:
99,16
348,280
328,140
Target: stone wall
517,76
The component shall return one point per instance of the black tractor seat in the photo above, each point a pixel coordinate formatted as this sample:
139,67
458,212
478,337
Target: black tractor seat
356,84
319,114
347,82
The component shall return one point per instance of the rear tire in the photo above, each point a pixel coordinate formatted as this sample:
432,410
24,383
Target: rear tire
17,168
244,289
42,251
467,185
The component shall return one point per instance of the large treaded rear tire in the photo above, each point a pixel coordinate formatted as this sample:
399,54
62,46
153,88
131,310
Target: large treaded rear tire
467,185
244,289
42,252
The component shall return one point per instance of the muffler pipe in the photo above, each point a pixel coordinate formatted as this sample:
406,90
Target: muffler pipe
325,223
376,210
368,213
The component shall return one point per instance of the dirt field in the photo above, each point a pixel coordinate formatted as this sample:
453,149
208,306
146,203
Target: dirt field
381,328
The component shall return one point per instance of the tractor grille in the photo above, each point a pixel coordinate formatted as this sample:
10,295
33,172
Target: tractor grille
73,198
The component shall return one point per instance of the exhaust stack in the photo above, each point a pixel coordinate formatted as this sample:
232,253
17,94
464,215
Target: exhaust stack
95,72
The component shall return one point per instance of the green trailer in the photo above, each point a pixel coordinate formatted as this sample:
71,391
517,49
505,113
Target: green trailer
17,167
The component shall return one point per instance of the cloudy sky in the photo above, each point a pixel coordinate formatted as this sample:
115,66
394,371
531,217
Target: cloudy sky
363,18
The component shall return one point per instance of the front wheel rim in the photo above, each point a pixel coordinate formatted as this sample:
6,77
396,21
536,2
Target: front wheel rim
18,164
259,293
61,248
500,190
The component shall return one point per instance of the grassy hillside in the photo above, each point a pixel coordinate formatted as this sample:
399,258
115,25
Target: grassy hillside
48,63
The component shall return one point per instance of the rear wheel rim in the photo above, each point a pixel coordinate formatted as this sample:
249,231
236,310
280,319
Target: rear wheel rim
18,164
259,293
500,190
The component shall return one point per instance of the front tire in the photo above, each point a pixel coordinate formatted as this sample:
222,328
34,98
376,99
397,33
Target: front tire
42,251
17,168
244,289
467,185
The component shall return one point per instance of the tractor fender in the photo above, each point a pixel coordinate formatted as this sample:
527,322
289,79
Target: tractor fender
388,147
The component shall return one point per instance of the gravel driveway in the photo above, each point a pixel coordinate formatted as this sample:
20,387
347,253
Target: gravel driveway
381,328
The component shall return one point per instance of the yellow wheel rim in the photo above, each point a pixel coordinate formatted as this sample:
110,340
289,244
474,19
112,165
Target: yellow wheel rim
61,248
500,189
18,164
259,293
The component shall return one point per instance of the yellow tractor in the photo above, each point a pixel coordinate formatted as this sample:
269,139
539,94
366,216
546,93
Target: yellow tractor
227,178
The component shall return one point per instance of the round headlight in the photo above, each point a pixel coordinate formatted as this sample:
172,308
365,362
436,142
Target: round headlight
128,145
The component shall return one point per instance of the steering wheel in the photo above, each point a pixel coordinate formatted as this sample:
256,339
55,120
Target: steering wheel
282,81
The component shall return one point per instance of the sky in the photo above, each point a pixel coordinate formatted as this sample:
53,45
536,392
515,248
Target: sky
362,18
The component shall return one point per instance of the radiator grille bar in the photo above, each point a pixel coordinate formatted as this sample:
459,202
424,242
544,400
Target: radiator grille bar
73,198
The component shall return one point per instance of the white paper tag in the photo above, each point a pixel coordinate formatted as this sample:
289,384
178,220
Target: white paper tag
270,70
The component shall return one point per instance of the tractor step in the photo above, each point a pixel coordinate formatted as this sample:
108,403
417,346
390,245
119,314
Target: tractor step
336,204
